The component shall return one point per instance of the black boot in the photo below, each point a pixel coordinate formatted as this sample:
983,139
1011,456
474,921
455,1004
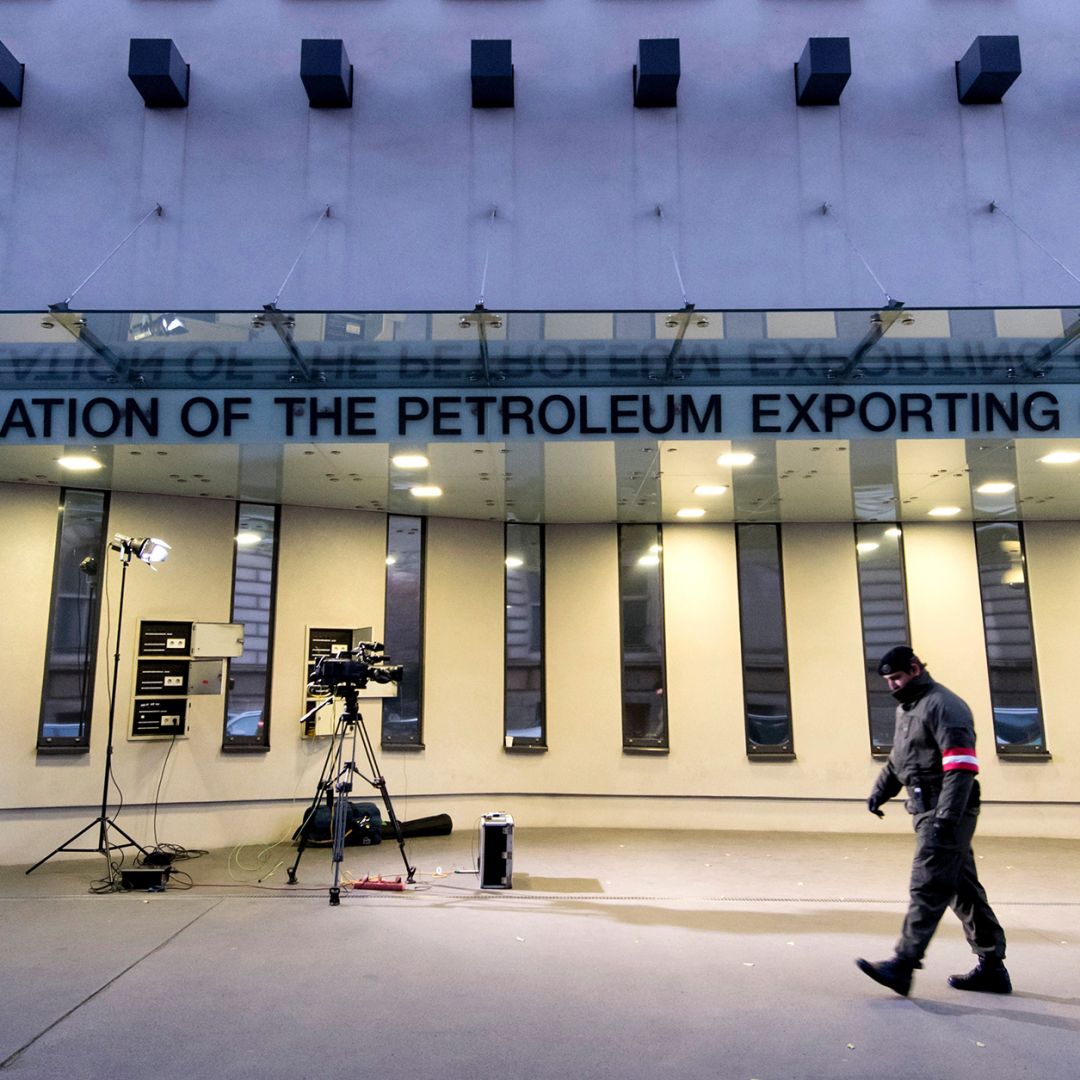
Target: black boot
989,976
894,973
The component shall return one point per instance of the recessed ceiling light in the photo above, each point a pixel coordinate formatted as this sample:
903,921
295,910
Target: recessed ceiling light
690,512
735,458
894,532
864,547
248,538
1061,457
649,560
426,491
409,461
995,487
79,463
710,489
513,562
944,511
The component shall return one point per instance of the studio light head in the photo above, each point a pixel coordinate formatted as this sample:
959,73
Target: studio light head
148,549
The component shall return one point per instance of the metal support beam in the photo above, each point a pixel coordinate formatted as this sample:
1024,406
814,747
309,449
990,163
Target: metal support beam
481,318
881,322
282,325
75,324
680,321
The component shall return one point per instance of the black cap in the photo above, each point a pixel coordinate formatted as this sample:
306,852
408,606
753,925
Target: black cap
898,658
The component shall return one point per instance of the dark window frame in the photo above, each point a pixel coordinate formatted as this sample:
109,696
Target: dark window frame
758,751
80,743
421,587
524,743
258,743
1012,751
660,744
880,750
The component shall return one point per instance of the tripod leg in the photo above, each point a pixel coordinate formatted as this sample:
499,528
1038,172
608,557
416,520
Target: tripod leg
305,829
340,819
322,787
380,783
131,842
64,846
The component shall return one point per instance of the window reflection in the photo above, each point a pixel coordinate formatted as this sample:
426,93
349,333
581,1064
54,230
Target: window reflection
524,723
883,607
401,717
641,604
1010,647
764,641
67,700
254,572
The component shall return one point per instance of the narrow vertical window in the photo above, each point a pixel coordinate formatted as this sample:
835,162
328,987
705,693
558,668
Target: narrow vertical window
883,607
523,709
67,698
641,609
247,700
1010,646
404,629
764,642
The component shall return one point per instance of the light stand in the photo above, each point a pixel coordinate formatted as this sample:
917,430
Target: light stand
151,551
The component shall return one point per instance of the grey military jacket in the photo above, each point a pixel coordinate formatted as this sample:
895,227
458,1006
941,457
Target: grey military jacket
933,753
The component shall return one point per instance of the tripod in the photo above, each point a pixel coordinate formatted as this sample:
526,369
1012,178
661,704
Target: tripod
103,821
334,785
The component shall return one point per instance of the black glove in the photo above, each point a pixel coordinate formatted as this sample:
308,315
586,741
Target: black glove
874,806
944,832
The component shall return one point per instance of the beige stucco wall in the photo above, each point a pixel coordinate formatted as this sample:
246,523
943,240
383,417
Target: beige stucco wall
332,572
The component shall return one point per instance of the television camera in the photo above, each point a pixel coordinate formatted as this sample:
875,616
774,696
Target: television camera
344,676
367,663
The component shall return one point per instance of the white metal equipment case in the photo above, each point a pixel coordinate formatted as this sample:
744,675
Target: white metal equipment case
496,850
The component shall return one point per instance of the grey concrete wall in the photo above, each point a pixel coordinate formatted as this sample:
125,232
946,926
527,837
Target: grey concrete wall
576,172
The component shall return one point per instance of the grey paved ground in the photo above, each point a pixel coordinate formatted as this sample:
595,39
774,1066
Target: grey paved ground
617,955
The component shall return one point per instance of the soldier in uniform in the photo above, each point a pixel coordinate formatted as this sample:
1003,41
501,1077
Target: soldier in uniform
933,756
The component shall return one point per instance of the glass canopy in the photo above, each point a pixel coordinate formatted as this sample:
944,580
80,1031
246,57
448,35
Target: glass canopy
376,349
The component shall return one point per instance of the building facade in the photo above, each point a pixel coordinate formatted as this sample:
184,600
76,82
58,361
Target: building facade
574,256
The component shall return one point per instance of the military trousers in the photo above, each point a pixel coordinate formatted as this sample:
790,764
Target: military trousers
943,875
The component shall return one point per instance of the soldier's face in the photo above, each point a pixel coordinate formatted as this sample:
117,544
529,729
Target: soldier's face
897,680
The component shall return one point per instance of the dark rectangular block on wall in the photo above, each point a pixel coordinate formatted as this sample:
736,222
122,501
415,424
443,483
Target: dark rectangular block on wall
656,74
326,73
492,74
988,69
11,79
159,73
822,71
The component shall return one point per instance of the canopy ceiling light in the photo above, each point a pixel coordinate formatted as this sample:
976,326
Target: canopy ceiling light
409,461
735,458
79,463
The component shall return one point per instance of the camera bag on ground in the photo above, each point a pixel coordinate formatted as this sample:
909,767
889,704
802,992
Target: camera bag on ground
437,825
363,825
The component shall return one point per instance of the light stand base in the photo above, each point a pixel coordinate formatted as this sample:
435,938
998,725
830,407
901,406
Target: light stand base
102,848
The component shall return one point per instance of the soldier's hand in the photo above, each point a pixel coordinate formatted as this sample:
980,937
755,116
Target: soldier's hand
944,832
874,806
